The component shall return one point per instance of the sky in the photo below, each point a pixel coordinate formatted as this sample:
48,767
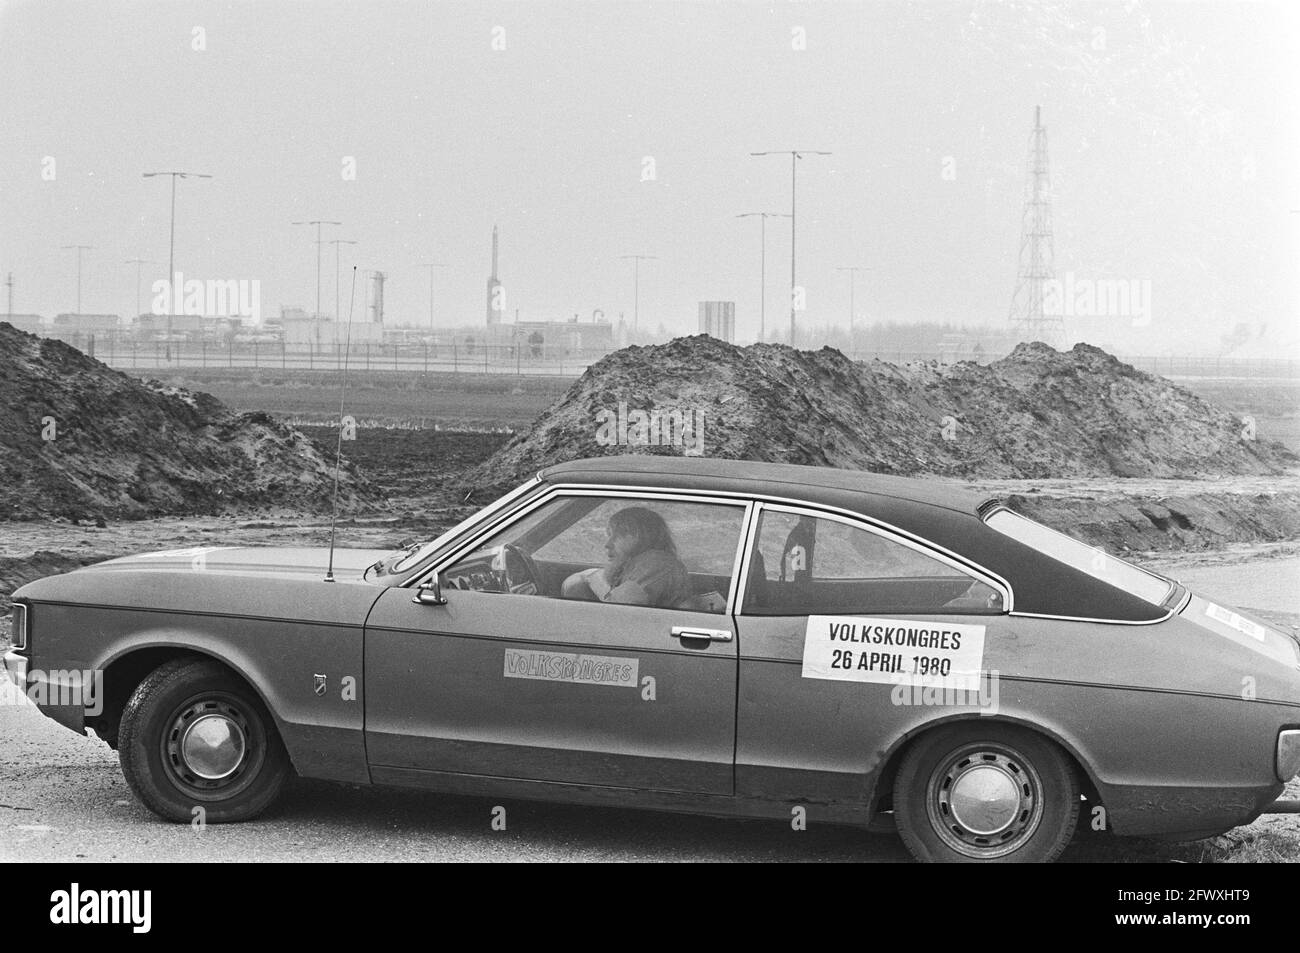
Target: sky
591,130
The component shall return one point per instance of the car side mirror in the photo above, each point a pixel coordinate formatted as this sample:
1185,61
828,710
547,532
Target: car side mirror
430,594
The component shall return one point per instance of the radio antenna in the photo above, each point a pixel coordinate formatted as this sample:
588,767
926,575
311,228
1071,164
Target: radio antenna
338,448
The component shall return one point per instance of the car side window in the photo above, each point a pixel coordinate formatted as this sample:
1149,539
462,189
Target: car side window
674,554
808,565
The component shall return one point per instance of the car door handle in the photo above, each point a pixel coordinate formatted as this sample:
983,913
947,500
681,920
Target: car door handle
704,635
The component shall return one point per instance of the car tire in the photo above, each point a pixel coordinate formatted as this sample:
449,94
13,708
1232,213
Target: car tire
973,793
196,743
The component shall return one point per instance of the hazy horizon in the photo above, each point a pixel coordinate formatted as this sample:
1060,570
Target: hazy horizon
1171,130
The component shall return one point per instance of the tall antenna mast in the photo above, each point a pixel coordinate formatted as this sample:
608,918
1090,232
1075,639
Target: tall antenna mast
338,449
1036,266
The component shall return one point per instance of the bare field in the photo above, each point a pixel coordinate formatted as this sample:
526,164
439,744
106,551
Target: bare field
1274,406
492,401
478,401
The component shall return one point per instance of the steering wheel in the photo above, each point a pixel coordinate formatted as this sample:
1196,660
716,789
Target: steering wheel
516,571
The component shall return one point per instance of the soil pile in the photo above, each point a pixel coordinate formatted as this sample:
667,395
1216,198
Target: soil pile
82,441
1036,413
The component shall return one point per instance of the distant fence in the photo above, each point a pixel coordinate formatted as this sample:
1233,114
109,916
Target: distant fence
362,357
545,361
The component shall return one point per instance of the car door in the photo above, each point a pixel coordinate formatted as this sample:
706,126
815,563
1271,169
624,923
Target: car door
820,682
508,679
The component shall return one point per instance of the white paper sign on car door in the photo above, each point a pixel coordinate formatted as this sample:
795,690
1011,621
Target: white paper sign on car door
894,651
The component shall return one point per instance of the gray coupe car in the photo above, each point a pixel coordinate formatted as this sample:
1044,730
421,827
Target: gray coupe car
715,637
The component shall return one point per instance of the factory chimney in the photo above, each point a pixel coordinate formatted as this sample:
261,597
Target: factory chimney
495,291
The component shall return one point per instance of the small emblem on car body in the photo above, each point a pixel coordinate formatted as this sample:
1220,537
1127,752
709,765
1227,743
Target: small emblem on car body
318,684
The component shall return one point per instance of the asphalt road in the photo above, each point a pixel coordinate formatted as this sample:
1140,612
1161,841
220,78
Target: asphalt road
63,798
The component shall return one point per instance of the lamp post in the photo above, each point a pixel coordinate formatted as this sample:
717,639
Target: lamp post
762,266
432,265
636,283
80,249
171,239
318,223
336,243
138,262
795,155
853,275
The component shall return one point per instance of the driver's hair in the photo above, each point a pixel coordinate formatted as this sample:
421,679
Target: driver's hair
647,526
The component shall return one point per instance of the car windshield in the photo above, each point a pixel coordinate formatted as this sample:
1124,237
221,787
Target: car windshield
412,556
1095,562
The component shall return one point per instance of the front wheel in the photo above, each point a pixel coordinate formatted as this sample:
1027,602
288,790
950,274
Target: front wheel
985,793
196,742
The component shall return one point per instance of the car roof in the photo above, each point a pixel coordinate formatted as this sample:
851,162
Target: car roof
815,484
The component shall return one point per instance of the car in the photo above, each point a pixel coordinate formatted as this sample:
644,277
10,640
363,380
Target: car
697,635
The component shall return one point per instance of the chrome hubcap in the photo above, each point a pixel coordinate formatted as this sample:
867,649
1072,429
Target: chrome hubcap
985,800
211,749
213,746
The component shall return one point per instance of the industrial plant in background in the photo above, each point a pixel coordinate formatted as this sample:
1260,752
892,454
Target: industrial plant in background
544,339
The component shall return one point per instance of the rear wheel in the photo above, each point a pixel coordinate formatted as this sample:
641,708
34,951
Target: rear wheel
196,742
985,793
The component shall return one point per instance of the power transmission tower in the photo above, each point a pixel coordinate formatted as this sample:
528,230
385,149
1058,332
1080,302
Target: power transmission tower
1036,266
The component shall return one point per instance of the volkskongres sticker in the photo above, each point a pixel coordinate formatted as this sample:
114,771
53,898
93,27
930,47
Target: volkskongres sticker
894,651
566,667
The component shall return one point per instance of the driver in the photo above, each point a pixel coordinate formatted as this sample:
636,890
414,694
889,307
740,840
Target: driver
643,568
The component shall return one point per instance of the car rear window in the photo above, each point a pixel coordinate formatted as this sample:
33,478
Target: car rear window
1095,562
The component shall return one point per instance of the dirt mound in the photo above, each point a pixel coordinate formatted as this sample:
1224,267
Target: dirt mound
1036,413
83,441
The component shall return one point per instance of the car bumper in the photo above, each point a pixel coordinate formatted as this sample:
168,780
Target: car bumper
41,690
15,666
1288,754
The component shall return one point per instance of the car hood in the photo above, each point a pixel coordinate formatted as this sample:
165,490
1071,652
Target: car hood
262,561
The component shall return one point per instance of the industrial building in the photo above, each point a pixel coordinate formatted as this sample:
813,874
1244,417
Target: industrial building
31,323
326,332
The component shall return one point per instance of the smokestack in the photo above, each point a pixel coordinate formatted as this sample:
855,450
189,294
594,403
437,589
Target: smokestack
495,293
